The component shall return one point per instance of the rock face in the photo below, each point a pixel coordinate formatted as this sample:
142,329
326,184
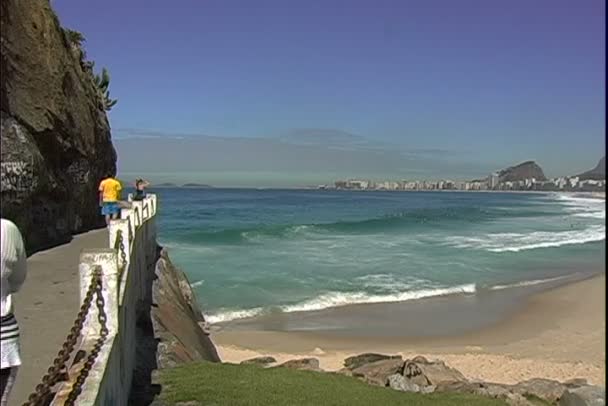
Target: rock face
424,373
362,359
420,375
262,361
306,364
177,319
584,396
597,173
56,143
525,170
378,372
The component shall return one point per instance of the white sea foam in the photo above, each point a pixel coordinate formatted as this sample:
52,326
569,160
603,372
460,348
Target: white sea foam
197,283
233,315
337,299
528,283
515,242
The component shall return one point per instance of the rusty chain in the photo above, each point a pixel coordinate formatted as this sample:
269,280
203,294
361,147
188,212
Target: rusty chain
88,365
138,215
58,369
130,225
119,245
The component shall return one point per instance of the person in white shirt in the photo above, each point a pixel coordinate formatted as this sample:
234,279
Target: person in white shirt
12,275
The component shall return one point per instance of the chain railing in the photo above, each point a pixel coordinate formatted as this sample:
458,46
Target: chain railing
119,246
103,333
57,372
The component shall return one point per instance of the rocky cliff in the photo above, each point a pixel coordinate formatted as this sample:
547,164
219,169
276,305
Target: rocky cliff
56,141
178,321
597,173
525,170
171,330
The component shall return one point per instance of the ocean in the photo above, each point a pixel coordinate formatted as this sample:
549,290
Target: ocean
248,252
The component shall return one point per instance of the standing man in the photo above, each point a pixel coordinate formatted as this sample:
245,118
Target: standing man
13,269
109,195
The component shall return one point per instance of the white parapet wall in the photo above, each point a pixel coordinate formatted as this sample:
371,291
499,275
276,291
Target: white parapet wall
127,270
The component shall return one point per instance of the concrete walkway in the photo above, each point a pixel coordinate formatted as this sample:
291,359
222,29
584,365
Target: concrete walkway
46,308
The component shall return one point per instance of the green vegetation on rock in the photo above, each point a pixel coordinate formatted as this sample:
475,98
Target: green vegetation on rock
102,82
239,385
74,37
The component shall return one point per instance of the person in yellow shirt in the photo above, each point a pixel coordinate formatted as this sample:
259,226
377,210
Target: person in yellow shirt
109,197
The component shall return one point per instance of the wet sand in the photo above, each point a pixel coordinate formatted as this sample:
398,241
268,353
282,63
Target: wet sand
558,333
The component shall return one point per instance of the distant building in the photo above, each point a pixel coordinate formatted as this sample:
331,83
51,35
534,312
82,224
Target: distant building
493,180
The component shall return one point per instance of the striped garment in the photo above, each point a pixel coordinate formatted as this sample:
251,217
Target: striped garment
13,269
9,328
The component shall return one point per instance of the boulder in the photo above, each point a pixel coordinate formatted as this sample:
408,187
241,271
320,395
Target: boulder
357,361
576,383
263,361
377,373
401,383
344,371
546,389
487,389
423,372
307,364
584,396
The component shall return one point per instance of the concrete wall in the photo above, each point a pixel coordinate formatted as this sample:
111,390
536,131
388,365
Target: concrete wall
127,294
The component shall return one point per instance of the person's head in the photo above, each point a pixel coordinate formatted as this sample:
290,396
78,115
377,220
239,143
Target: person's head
108,174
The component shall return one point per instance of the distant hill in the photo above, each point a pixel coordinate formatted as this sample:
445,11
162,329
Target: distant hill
597,173
197,186
525,170
167,184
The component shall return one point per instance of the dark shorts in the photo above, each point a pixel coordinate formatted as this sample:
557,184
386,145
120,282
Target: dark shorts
109,208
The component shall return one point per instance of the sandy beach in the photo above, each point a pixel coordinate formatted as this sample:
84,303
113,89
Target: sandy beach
558,333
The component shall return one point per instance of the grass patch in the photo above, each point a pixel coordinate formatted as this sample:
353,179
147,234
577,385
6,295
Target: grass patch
240,385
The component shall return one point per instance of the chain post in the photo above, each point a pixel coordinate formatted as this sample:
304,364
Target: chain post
103,334
59,363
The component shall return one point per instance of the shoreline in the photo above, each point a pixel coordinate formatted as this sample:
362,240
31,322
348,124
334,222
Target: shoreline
557,333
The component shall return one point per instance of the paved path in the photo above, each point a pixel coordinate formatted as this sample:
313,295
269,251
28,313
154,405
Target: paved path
46,307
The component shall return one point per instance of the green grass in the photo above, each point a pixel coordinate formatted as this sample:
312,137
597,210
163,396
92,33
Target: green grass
239,385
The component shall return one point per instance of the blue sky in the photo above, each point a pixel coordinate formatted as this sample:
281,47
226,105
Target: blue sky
494,82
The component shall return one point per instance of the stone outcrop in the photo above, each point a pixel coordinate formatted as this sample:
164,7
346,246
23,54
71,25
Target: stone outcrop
420,375
306,364
171,330
377,373
597,173
362,359
584,396
525,170
178,323
261,361
56,143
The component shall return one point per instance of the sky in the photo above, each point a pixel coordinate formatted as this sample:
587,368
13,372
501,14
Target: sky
455,88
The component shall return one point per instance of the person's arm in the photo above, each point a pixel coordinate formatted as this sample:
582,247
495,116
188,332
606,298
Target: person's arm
17,276
101,193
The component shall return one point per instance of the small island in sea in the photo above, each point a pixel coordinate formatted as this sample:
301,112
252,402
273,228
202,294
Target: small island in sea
196,186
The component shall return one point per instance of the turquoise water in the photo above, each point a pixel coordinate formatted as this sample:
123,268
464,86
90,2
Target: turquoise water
251,251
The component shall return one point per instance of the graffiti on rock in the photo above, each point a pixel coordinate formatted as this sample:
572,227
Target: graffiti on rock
17,176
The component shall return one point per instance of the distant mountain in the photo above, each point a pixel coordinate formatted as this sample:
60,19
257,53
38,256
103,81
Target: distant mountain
166,184
597,173
525,170
196,186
